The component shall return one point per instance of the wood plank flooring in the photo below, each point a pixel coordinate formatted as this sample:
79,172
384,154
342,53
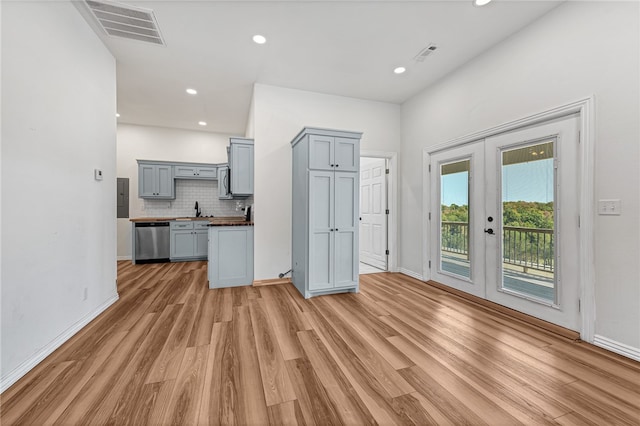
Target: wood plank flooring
171,351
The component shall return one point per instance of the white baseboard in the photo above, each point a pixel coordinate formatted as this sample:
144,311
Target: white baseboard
617,347
15,375
124,257
412,274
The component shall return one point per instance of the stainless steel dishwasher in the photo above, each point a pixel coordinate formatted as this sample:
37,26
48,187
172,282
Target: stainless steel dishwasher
152,242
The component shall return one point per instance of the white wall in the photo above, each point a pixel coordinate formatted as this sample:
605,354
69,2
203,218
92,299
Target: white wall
58,226
577,50
163,144
279,114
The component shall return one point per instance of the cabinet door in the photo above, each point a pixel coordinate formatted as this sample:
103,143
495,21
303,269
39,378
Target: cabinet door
230,256
185,171
346,229
181,244
347,155
241,167
223,183
165,181
201,241
146,180
207,172
321,152
321,234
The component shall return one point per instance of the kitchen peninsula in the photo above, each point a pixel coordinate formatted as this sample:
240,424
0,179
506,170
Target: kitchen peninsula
226,242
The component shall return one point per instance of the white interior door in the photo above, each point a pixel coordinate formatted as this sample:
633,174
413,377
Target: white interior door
532,187
373,206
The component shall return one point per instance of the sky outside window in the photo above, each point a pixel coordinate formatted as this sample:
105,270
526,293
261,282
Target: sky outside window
529,181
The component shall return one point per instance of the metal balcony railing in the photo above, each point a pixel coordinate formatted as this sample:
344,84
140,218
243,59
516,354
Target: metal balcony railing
525,247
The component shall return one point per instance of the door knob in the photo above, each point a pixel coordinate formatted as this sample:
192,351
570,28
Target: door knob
489,231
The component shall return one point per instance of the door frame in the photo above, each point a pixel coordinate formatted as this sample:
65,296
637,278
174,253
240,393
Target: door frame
392,203
585,108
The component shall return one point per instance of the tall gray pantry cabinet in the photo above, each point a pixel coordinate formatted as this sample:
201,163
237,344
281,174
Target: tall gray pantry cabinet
325,214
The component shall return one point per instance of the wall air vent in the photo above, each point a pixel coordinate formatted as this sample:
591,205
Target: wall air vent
420,57
119,20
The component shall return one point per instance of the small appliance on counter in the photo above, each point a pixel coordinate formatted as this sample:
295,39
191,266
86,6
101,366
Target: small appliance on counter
248,213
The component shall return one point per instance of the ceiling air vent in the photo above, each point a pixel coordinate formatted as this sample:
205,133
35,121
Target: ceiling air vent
125,21
420,57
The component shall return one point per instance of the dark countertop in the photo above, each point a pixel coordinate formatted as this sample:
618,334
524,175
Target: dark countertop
213,221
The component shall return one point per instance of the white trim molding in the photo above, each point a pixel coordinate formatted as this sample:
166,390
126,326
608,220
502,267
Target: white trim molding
17,373
123,258
585,108
410,273
392,266
617,347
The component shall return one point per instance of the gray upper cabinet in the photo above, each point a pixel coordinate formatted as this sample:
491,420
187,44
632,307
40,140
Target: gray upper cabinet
189,171
155,181
241,164
327,152
325,211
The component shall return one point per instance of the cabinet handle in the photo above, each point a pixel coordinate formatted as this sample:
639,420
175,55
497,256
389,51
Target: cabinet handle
331,165
337,165
336,229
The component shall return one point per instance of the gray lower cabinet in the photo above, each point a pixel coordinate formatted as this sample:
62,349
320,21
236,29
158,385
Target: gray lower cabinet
325,216
155,181
188,240
230,256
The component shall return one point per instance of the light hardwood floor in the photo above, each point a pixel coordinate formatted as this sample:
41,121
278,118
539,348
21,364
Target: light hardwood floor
170,351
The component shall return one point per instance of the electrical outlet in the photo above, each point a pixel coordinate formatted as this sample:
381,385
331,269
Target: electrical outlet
610,207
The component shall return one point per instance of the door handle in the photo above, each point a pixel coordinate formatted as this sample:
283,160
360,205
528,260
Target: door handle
489,231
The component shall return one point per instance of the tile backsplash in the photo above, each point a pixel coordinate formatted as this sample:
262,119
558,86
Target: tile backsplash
205,192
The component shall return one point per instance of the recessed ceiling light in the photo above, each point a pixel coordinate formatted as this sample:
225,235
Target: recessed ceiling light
202,123
192,91
259,39
117,115
399,70
481,2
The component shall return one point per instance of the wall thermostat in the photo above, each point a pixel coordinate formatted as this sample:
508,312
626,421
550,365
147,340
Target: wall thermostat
97,174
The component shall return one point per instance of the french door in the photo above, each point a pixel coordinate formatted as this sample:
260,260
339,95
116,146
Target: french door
457,188
505,213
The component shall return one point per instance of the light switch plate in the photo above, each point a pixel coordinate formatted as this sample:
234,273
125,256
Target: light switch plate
97,174
610,207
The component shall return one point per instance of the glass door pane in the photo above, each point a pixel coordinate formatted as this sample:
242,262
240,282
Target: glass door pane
454,218
528,221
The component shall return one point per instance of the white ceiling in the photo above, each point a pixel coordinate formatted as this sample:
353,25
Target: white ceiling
346,48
